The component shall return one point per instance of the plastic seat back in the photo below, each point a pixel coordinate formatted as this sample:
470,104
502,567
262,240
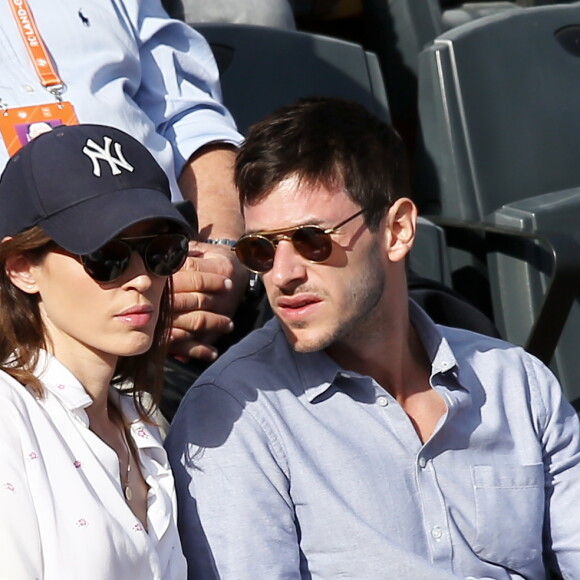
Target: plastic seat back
498,104
498,101
400,29
264,68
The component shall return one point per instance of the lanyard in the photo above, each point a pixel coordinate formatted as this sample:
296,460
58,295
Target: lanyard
36,48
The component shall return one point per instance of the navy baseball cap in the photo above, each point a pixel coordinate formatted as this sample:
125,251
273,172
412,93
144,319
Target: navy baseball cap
83,185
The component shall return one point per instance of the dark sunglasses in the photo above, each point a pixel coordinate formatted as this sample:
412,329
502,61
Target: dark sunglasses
256,251
162,254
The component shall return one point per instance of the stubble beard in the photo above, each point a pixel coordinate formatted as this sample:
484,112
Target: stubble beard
360,321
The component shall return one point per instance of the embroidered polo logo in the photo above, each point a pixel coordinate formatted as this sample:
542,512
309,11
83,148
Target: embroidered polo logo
97,153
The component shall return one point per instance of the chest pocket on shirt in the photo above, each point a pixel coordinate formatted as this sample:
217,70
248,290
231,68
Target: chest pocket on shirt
509,505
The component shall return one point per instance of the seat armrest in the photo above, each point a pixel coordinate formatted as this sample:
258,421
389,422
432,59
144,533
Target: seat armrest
482,239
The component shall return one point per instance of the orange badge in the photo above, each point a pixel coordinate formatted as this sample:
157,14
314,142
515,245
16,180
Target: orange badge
20,125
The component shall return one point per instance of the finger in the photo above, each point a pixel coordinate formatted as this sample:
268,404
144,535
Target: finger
179,335
203,324
213,259
225,303
197,247
217,264
193,301
193,349
184,343
195,281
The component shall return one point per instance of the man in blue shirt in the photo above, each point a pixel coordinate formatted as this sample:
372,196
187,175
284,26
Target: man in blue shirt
351,437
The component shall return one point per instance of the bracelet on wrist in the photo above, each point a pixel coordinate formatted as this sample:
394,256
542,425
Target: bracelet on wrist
255,288
222,241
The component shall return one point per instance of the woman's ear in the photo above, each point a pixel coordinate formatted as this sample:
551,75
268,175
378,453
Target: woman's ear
401,227
20,270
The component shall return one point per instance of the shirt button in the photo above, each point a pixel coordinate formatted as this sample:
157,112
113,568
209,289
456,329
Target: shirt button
436,532
383,401
422,462
28,88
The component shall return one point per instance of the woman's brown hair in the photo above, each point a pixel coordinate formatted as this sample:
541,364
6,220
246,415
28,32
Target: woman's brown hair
23,332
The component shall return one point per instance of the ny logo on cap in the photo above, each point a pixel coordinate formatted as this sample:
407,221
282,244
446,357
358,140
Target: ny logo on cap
97,153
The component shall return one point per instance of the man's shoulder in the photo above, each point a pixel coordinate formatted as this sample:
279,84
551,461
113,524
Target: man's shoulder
246,387
467,343
469,339
491,355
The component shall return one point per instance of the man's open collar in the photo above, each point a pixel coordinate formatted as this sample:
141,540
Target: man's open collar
435,344
318,371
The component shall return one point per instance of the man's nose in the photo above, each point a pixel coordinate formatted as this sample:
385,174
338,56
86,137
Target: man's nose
289,266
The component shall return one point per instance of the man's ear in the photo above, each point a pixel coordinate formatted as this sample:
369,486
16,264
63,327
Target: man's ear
401,227
20,270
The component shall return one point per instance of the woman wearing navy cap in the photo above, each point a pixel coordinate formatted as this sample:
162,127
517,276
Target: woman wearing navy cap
90,240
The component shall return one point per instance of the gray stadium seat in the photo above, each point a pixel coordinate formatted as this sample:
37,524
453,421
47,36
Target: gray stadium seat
499,114
429,254
400,29
263,68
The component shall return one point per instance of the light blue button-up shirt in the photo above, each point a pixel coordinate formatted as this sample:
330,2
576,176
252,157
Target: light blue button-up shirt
288,466
125,64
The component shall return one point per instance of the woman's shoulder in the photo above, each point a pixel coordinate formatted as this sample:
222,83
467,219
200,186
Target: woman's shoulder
16,406
12,392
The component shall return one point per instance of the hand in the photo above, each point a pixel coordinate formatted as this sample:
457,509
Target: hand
207,292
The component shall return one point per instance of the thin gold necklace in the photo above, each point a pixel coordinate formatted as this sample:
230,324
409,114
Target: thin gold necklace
125,484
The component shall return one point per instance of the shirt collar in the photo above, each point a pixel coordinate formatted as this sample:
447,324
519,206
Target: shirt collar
57,379
435,344
318,371
141,432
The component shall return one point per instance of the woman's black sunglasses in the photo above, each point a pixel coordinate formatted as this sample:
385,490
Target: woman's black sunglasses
256,251
162,254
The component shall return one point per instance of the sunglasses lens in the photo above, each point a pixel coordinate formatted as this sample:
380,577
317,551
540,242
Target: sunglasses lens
312,243
166,253
109,262
163,256
256,253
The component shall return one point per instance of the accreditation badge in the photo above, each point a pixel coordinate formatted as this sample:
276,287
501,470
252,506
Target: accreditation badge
19,125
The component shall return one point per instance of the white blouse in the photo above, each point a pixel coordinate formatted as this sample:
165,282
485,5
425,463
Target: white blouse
62,511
